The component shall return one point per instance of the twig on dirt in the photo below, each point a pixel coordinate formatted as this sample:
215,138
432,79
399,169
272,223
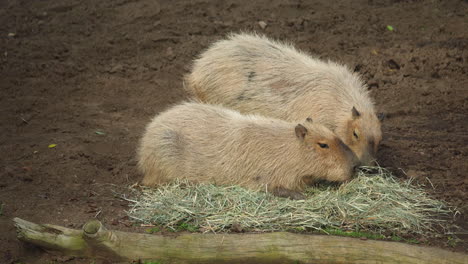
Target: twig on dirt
98,213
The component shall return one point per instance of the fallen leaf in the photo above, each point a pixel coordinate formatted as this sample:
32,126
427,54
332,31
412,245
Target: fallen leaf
52,145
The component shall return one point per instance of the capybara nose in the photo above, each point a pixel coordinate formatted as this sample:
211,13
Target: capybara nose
368,161
356,167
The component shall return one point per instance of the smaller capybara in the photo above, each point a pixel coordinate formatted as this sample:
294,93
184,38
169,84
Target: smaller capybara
211,144
256,75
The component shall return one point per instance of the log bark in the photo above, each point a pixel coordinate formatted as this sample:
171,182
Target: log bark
95,241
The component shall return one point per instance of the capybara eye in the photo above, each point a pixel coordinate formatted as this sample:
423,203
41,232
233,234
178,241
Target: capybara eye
323,145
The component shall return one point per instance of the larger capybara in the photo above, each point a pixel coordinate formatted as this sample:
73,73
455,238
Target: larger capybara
253,74
211,144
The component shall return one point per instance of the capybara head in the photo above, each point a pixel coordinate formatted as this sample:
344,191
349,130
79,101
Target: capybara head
363,135
332,159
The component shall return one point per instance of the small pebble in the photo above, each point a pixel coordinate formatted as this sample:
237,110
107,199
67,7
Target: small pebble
116,68
170,53
262,24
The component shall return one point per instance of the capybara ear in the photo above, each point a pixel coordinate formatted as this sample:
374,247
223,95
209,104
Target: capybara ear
355,112
381,116
301,131
309,119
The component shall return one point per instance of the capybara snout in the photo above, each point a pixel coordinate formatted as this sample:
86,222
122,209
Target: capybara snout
212,144
363,134
352,157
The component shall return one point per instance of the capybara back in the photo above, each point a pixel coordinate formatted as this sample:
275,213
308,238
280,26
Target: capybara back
253,74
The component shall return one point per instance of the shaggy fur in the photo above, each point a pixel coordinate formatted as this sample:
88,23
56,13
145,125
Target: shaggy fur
253,74
212,144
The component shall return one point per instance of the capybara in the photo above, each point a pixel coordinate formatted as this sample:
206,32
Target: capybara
212,144
253,74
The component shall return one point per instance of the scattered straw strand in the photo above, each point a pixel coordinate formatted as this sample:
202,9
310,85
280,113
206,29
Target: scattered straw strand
374,201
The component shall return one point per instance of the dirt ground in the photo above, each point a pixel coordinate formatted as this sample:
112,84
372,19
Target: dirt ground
72,68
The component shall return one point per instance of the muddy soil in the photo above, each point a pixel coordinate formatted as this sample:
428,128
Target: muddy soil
88,75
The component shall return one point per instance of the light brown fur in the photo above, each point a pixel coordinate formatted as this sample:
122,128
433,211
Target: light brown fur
253,74
212,144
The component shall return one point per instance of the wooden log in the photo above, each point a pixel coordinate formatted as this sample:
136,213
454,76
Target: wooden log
95,241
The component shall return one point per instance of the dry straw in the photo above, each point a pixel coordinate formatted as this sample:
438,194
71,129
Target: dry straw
373,201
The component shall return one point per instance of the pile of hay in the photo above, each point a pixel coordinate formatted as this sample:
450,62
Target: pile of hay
374,201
